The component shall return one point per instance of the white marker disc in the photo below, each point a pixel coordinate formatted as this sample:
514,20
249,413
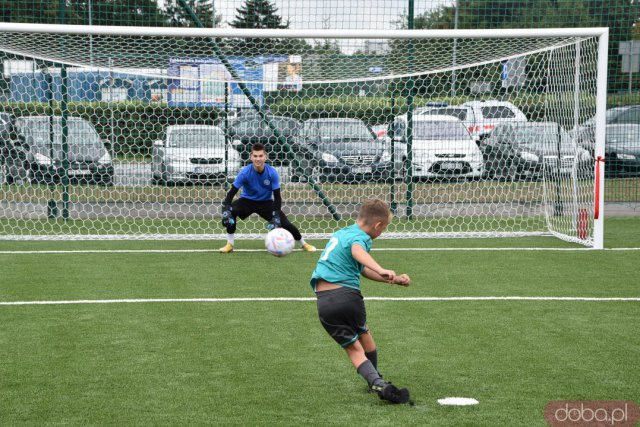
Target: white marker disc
458,401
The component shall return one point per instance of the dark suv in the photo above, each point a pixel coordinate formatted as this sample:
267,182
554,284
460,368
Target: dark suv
249,129
344,150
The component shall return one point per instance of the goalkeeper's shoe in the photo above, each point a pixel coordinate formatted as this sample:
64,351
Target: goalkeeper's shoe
226,248
308,248
391,393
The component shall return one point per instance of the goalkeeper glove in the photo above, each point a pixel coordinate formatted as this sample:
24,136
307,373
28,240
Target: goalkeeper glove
227,216
275,221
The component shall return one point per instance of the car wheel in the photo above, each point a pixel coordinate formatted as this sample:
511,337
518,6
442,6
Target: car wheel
513,173
317,176
404,170
8,178
35,178
160,179
107,181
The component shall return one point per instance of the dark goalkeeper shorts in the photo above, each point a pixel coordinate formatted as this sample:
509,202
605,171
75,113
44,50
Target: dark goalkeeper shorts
342,314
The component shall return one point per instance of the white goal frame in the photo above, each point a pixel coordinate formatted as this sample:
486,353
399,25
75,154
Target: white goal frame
602,35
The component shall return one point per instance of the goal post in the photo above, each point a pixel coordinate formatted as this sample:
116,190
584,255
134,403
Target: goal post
137,132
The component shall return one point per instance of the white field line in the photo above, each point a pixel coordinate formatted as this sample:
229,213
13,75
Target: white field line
125,251
279,299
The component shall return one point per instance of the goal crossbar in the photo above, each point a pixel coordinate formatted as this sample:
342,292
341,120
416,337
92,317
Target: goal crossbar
302,34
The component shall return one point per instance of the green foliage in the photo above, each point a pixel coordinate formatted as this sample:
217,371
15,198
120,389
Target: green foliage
204,10
263,14
103,12
258,14
617,15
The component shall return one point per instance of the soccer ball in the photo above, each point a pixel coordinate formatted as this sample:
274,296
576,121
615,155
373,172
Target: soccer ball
279,242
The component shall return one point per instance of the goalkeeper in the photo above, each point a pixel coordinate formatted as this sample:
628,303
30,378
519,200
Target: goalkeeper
336,282
260,185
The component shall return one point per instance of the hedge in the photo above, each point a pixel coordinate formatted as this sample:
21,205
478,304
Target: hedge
134,126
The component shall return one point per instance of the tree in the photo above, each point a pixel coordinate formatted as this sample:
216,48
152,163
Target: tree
102,12
619,15
263,14
203,9
258,14
36,11
118,12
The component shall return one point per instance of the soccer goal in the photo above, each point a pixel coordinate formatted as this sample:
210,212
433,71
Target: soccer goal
137,133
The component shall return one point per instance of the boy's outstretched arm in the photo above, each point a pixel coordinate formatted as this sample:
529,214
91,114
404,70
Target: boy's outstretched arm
377,272
402,279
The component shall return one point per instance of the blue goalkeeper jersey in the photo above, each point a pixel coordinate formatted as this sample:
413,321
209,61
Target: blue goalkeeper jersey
336,264
257,186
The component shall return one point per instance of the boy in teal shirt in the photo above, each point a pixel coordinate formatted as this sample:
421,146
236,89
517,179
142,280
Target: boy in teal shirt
336,282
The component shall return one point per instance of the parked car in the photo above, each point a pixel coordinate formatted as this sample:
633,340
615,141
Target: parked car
585,133
442,147
249,129
629,114
32,155
480,117
341,149
622,150
525,150
194,154
12,156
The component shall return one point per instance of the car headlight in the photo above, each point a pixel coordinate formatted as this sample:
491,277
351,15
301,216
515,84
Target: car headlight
624,156
329,158
529,157
42,159
386,156
105,159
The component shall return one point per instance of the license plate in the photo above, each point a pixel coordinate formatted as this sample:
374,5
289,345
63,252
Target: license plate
75,172
203,169
361,169
450,165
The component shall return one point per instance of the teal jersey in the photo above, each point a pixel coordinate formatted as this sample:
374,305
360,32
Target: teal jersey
336,264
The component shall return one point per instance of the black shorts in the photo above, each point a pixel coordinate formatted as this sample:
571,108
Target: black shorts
342,314
244,208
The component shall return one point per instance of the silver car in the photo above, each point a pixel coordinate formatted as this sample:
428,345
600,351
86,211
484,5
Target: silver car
442,148
194,154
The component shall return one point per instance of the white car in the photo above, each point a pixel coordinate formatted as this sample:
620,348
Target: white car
194,154
442,147
487,114
480,117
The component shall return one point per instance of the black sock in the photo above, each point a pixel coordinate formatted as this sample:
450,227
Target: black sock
373,357
369,373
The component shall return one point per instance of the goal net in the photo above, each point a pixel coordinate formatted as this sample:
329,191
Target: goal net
138,133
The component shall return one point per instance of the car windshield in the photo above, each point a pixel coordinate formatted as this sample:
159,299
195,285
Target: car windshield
195,138
80,132
539,134
622,133
609,116
459,113
257,127
439,131
497,112
344,131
